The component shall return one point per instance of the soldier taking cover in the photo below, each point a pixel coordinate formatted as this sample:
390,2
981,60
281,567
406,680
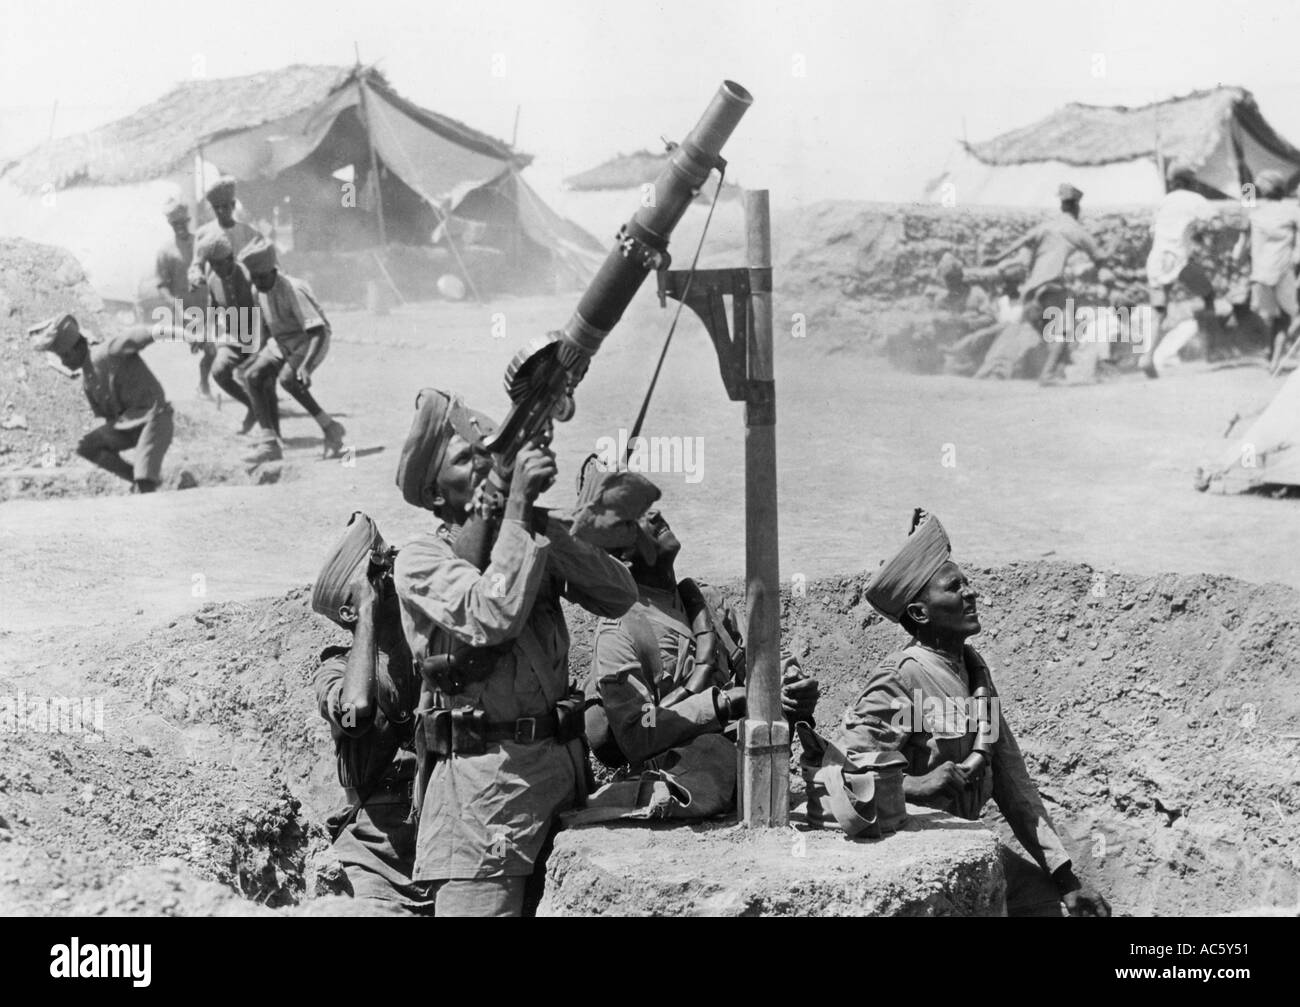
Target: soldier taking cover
960,753
368,693
502,739
122,391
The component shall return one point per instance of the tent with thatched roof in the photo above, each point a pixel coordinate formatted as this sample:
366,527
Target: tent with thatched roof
1116,155
329,159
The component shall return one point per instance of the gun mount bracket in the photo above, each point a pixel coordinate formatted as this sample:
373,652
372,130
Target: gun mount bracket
704,297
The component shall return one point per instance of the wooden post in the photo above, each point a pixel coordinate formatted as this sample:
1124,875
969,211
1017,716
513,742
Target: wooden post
764,784
374,158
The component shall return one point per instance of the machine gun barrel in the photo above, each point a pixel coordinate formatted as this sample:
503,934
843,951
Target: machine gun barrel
541,379
541,384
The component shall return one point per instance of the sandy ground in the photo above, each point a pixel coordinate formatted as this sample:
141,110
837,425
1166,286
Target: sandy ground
1096,474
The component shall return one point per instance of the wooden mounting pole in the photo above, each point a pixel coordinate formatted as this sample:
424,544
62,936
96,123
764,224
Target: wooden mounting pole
370,145
764,783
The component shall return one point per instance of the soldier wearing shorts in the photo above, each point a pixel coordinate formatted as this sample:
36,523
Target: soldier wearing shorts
298,339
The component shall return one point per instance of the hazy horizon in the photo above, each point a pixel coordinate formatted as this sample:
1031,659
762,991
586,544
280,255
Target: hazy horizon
853,101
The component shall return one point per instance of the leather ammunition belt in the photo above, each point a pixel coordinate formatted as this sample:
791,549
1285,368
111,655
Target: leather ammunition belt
466,731
524,731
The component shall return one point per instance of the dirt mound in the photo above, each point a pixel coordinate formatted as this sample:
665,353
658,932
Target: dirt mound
1159,715
44,414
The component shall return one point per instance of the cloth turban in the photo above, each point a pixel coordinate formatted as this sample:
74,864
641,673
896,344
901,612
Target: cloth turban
1068,193
1270,182
609,505
55,335
213,246
901,577
175,211
950,268
438,417
258,255
351,555
222,188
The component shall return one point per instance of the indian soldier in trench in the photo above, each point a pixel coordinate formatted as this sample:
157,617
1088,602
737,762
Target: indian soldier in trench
500,733
921,701
122,391
171,269
666,686
368,693
298,338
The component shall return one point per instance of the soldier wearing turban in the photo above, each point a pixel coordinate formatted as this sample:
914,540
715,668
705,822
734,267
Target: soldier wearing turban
934,701
502,739
297,340
368,693
121,390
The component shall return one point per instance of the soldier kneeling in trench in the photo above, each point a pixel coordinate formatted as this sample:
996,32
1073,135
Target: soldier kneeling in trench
666,686
934,701
368,693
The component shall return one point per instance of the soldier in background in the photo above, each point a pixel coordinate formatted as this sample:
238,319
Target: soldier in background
236,338
1046,291
122,391
1173,229
297,339
172,282
221,197
1274,242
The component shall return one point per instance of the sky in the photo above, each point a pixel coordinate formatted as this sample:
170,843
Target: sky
860,100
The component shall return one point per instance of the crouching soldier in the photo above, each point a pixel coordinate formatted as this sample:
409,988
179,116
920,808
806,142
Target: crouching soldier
959,749
368,693
122,391
298,339
667,685
502,736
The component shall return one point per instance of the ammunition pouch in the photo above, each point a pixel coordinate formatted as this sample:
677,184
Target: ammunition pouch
466,730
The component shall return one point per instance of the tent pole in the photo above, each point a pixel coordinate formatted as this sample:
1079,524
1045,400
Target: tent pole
374,158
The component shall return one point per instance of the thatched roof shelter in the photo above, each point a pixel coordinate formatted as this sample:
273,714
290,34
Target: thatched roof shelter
1220,133
162,137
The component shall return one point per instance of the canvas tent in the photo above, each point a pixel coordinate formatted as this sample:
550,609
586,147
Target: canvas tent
1116,154
303,142
1268,453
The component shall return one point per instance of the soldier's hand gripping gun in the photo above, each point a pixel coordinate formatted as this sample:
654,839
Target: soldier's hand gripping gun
542,377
